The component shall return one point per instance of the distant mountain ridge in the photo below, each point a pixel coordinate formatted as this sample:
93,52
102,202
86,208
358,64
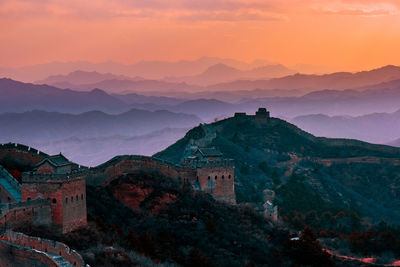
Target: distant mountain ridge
145,69
376,127
308,83
221,73
18,97
83,77
34,126
290,85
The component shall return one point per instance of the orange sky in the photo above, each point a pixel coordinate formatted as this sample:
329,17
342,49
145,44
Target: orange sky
348,34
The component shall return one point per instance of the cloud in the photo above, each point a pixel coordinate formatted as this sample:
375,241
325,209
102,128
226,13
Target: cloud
247,15
364,8
190,10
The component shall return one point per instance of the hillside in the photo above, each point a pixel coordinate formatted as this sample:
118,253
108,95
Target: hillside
308,174
141,219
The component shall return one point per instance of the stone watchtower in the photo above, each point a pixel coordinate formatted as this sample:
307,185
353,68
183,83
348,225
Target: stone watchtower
214,174
66,194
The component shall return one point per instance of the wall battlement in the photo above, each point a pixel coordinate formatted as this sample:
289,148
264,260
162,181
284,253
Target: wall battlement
22,148
15,255
34,177
197,173
262,114
35,212
46,246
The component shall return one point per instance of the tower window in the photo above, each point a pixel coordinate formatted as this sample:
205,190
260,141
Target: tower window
54,201
223,177
209,177
216,177
72,199
82,197
66,200
77,198
229,176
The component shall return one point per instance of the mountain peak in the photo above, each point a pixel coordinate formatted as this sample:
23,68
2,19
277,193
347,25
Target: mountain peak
219,68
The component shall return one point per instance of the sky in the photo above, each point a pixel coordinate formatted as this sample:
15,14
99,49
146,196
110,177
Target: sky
345,34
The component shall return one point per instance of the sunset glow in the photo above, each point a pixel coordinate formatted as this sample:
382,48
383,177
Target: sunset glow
346,34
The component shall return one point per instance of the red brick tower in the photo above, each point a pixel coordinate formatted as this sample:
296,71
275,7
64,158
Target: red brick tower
66,193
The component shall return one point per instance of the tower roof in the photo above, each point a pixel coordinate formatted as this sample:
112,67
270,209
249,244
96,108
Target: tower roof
56,160
210,152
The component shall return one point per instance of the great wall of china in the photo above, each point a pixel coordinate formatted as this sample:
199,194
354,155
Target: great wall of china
63,198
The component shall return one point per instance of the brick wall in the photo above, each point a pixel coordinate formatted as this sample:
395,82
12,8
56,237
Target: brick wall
36,212
221,188
218,181
67,199
5,197
14,255
46,246
25,155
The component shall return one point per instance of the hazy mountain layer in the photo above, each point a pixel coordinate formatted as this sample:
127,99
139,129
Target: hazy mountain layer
93,151
376,128
221,73
39,126
18,97
145,69
83,77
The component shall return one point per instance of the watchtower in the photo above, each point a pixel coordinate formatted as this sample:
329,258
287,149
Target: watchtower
65,192
262,114
214,174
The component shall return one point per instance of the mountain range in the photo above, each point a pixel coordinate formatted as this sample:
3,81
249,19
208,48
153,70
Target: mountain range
92,151
222,73
379,128
208,82
18,97
83,77
40,126
309,83
145,69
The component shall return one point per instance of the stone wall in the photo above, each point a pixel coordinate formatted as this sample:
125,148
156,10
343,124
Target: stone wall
46,246
14,255
23,154
35,212
120,165
221,188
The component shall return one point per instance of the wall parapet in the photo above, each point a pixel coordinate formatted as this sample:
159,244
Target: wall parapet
12,254
8,207
34,177
45,245
22,148
212,163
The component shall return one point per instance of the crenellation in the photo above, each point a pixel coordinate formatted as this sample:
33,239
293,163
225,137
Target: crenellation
44,245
